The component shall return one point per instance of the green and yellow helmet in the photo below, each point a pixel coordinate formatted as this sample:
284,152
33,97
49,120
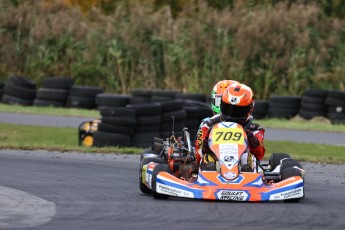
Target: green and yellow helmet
217,92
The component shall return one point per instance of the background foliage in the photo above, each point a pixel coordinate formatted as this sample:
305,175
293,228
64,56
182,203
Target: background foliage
276,47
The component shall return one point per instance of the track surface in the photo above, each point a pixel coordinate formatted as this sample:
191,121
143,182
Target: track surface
95,191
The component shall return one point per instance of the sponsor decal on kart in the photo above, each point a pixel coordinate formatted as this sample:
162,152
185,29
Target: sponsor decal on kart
232,195
290,194
166,189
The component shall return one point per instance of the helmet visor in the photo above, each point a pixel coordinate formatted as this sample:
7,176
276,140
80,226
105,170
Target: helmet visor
235,112
216,99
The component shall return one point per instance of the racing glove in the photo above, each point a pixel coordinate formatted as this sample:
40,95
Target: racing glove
252,139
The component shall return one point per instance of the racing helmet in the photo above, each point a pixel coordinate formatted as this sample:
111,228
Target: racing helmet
237,103
217,92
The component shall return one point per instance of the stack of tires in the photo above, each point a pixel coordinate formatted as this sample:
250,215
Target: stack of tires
140,96
313,103
192,120
191,96
283,106
148,117
83,97
196,112
54,92
117,122
335,103
2,85
163,95
19,90
116,127
173,117
260,109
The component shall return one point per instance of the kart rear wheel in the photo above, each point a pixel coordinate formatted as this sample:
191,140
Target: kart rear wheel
275,159
290,172
144,161
159,168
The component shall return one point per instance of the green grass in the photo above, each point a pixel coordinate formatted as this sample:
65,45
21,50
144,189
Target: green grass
49,111
30,137
66,139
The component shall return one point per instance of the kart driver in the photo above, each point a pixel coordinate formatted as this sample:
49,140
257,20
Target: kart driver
236,105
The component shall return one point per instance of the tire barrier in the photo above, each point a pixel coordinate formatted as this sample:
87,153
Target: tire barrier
19,90
283,106
335,102
260,109
313,103
83,97
54,92
134,120
148,117
2,85
116,127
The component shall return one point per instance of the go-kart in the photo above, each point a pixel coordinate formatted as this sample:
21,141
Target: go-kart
170,169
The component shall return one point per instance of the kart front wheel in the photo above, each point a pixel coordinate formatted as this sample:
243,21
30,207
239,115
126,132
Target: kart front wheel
287,173
144,161
159,168
275,159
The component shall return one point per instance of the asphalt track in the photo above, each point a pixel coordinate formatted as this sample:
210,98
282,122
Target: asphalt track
100,191
51,190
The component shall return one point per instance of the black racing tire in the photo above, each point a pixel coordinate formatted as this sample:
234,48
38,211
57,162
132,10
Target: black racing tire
160,99
149,120
337,94
144,161
332,101
316,93
281,112
148,151
23,82
85,91
261,106
127,121
57,83
275,159
80,102
289,163
287,173
179,115
169,106
312,100
205,112
139,100
48,103
52,94
102,139
141,93
147,128
117,112
107,128
146,109
8,99
112,100
285,101
19,91
310,114
192,96
192,112
314,107
164,93
178,125
159,168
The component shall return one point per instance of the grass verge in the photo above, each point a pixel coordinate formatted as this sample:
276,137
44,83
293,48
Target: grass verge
66,139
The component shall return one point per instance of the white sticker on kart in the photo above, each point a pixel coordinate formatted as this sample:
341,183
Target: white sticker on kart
168,190
228,154
232,195
290,194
